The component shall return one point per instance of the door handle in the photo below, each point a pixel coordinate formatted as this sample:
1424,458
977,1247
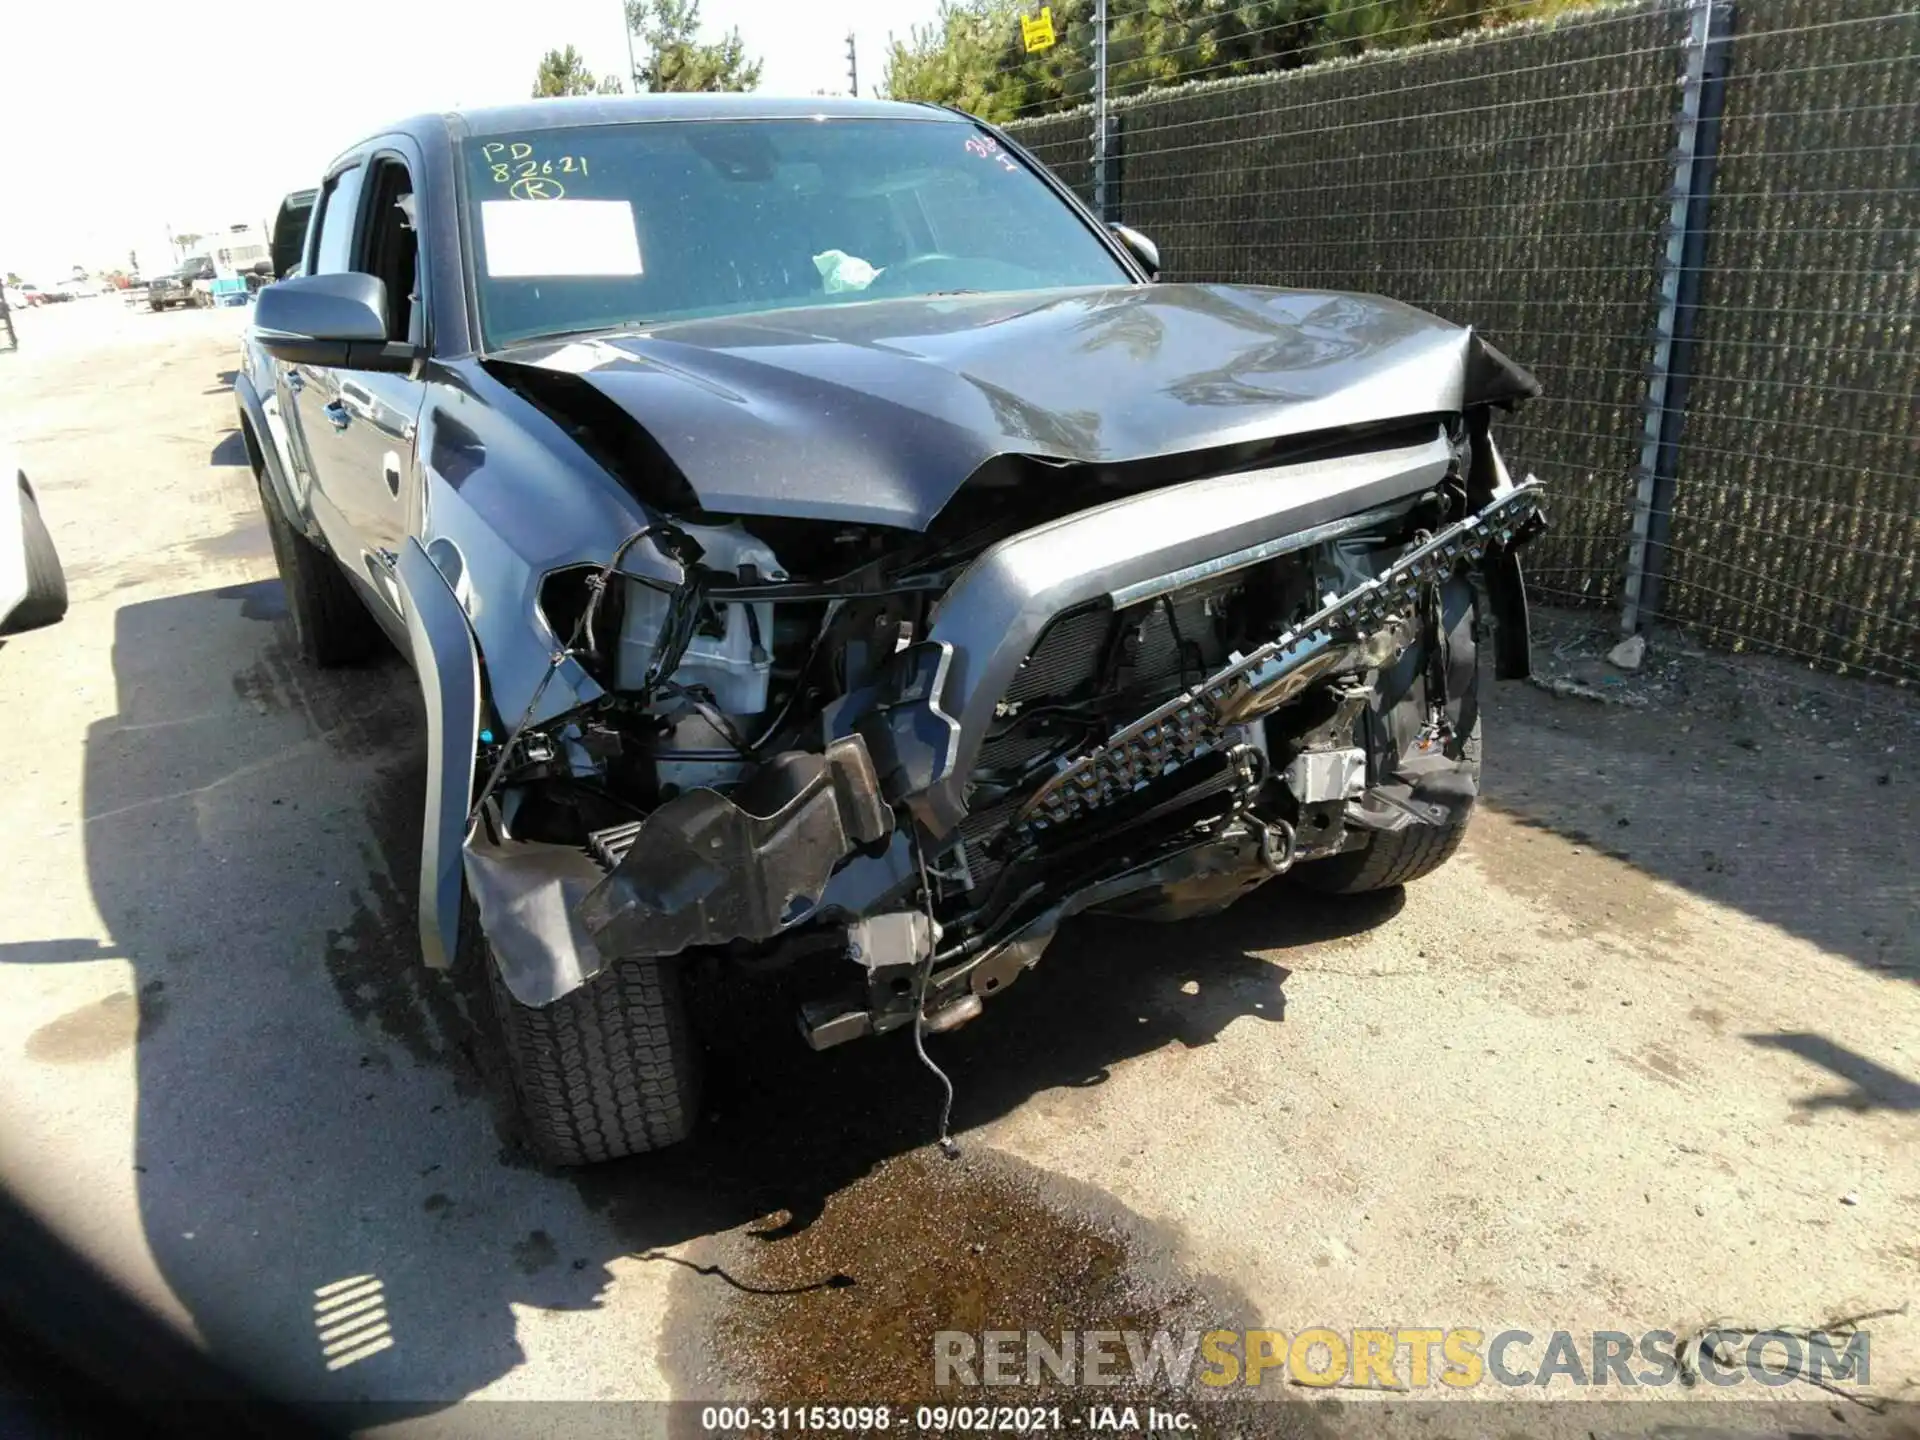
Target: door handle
296,382
337,414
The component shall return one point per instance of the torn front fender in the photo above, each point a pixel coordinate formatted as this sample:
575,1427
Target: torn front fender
528,895
448,664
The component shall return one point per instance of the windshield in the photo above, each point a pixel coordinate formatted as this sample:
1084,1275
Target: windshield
603,226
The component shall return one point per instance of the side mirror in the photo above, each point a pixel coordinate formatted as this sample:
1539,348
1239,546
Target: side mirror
1140,247
335,320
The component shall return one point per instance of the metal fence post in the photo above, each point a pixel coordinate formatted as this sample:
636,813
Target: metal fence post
1681,266
1100,108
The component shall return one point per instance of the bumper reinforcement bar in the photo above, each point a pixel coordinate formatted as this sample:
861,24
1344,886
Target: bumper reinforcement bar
1197,720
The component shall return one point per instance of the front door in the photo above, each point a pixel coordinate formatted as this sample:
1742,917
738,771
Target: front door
360,424
310,394
376,412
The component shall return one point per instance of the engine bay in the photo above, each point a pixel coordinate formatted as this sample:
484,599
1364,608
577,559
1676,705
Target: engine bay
753,782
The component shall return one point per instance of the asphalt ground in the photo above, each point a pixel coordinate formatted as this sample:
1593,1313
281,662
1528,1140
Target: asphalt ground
1645,1057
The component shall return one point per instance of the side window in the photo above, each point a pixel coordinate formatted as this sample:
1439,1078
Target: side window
339,202
391,251
289,241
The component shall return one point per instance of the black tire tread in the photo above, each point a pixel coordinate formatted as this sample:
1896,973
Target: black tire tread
609,1070
46,599
1393,857
332,624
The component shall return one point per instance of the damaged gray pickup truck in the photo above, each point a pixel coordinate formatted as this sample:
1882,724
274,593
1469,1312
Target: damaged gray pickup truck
824,546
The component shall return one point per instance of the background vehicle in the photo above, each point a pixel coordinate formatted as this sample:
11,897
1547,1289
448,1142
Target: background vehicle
33,588
178,286
824,548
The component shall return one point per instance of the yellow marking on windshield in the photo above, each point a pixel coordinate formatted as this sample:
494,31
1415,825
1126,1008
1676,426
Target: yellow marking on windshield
527,174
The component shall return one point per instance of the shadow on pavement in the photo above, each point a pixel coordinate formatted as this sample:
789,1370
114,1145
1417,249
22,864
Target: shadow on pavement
1814,836
231,449
1869,1084
56,952
786,1128
319,1117
297,1111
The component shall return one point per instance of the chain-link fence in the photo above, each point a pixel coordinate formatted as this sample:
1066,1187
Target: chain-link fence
1695,220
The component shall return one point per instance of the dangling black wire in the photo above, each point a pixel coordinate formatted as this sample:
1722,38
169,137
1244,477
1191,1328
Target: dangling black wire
596,587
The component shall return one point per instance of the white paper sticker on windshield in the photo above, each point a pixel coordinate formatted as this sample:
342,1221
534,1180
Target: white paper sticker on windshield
559,237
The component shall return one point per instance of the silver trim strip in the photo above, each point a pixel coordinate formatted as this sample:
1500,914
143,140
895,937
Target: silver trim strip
1240,559
998,607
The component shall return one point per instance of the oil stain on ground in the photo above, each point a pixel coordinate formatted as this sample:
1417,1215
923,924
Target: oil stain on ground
850,1305
105,1027
358,714
535,1253
373,961
376,973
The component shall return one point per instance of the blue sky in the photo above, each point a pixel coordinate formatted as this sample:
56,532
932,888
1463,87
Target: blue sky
213,130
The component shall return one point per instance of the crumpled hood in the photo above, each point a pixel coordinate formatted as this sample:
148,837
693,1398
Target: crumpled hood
879,411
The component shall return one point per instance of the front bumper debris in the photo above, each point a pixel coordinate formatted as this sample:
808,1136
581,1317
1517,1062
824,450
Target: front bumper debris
1158,818
1211,873
705,868
1202,719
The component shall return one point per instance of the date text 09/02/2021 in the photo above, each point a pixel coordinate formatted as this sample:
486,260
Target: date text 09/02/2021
940,1419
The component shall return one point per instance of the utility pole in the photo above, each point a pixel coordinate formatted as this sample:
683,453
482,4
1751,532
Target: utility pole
633,71
853,68
1100,108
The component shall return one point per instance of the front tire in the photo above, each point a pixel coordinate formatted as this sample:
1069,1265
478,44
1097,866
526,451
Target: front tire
1395,857
332,626
609,1070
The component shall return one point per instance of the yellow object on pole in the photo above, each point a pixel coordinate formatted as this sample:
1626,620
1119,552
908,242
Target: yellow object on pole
1036,31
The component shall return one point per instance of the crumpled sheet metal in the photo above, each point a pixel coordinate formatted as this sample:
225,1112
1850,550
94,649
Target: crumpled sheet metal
528,894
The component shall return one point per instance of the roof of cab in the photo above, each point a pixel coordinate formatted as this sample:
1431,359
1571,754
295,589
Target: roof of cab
557,114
